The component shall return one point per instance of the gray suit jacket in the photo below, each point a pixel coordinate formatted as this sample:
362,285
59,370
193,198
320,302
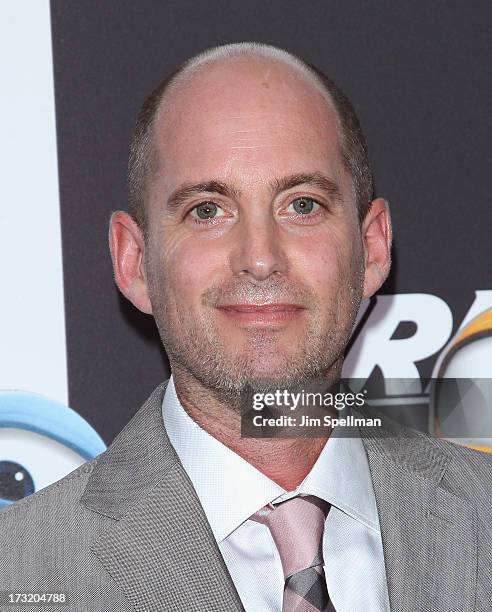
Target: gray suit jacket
126,531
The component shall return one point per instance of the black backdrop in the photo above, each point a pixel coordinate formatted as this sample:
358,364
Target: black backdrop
419,76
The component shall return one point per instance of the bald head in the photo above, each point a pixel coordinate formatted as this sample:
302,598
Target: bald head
236,87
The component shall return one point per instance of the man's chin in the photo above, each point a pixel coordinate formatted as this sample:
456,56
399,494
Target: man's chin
262,381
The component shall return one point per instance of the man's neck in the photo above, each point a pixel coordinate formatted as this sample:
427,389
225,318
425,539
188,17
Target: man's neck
286,461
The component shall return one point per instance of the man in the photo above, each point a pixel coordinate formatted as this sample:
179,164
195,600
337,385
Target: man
252,238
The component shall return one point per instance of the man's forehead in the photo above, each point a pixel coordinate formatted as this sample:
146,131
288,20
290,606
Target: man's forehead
239,86
248,107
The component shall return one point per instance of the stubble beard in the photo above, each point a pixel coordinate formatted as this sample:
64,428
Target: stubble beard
195,347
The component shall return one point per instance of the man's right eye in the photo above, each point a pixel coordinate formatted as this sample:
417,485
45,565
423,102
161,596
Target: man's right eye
207,210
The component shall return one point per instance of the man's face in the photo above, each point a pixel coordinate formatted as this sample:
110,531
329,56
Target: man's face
254,256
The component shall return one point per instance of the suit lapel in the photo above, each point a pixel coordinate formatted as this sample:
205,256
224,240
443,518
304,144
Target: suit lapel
160,548
429,534
161,551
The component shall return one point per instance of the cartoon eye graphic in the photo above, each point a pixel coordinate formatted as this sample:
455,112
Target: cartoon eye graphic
15,481
461,390
40,442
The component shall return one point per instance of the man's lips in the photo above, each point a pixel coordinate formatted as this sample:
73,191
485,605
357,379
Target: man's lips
261,313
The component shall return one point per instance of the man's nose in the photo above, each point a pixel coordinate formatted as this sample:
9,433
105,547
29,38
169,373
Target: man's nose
258,249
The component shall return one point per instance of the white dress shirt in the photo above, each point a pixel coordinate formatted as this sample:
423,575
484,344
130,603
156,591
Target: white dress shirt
230,490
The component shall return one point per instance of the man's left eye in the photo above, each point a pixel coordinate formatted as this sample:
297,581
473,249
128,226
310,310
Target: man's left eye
207,210
303,206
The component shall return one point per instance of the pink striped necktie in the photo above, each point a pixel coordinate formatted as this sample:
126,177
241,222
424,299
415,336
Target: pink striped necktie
297,527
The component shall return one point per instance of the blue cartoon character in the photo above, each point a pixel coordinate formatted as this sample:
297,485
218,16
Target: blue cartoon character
40,442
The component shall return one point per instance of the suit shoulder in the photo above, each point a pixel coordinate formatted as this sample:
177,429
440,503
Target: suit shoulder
475,459
53,498
469,475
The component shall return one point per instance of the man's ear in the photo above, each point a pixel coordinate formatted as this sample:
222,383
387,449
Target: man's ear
127,247
376,237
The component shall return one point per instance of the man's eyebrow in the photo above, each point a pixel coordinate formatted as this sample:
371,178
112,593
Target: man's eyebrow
188,190
315,179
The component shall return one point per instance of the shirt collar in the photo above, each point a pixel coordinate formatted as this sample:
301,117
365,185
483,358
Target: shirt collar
230,489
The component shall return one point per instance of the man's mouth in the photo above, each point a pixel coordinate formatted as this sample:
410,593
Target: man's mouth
261,314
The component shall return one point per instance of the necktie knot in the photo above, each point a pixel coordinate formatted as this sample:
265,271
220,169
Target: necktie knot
297,527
